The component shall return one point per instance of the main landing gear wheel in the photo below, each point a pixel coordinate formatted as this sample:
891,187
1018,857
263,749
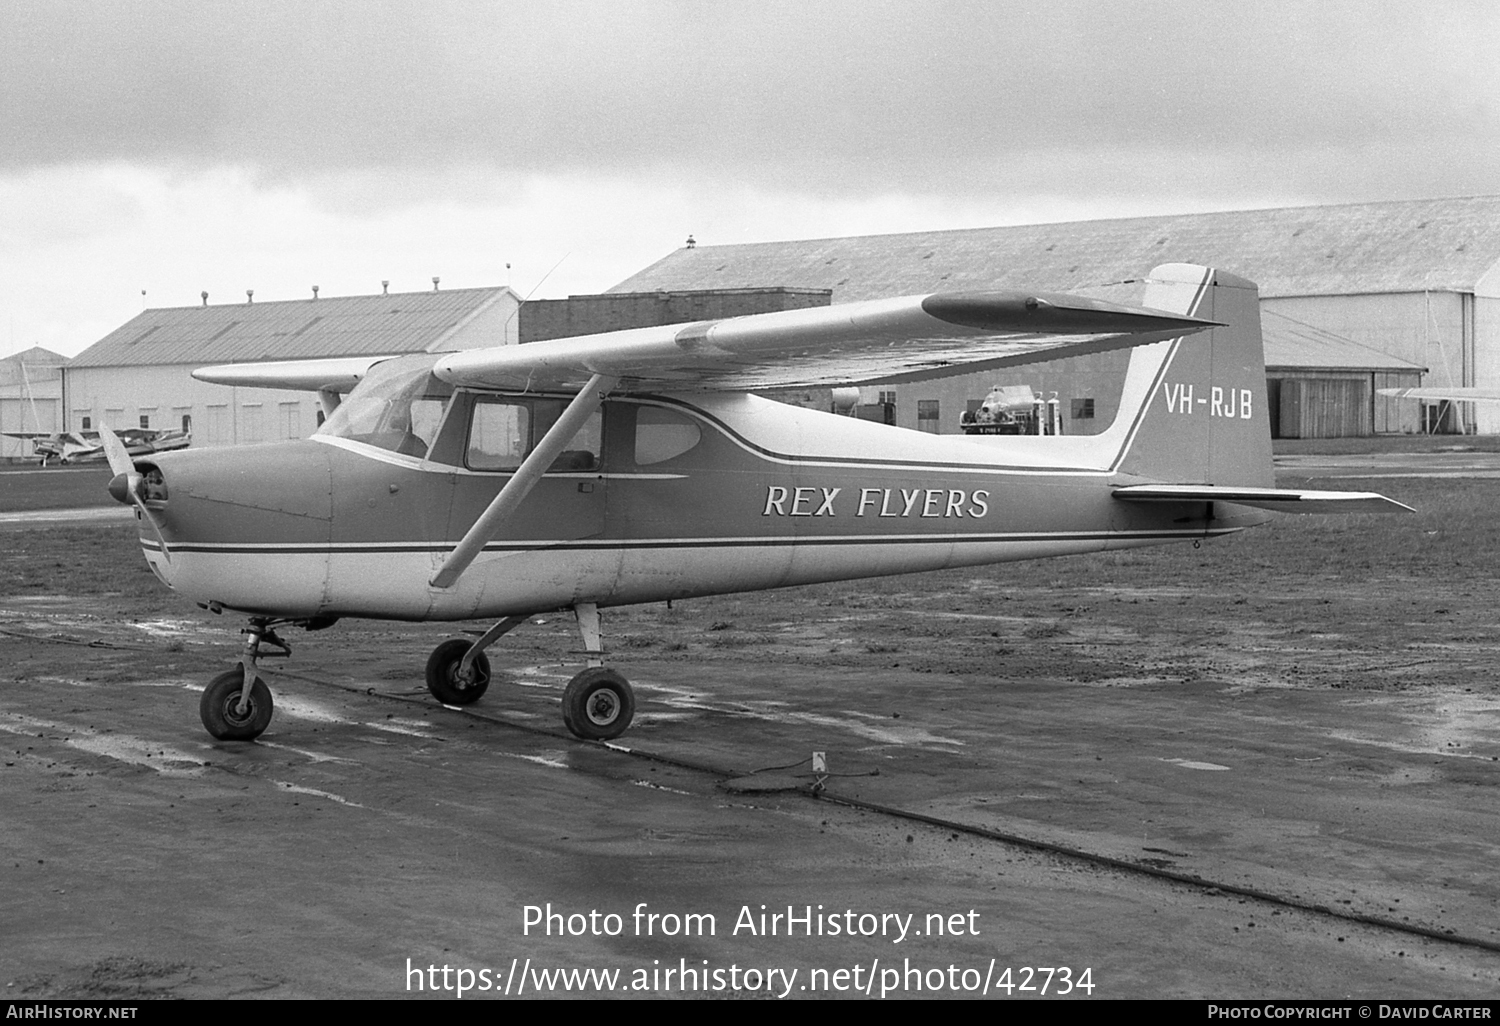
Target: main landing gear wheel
444,680
598,704
221,712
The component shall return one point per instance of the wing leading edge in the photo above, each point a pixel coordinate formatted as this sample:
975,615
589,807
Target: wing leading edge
336,374
873,342
1465,395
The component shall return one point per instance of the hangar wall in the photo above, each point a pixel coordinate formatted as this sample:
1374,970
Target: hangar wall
122,394
160,397
1428,329
1486,328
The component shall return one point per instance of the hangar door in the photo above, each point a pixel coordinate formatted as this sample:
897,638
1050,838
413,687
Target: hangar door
1324,408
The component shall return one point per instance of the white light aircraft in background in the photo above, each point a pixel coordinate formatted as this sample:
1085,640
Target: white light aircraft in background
84,446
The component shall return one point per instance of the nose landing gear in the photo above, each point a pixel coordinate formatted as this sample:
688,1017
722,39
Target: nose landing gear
236,705
598,703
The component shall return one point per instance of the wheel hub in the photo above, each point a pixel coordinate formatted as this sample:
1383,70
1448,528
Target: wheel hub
603,707
232,711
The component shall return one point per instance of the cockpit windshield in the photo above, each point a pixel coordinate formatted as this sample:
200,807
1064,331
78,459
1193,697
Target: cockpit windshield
398,406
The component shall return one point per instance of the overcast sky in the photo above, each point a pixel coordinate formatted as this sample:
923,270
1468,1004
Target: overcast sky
176,147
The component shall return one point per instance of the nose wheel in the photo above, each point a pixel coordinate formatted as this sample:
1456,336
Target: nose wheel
228,718
236,705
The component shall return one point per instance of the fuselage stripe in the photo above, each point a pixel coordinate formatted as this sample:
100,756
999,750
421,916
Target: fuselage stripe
616,544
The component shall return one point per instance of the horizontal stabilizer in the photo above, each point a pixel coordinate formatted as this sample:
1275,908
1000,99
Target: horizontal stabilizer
338,374
1282,500
1465,395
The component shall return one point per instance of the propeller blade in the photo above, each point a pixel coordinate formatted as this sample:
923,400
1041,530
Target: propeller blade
140,504
126,486
114,451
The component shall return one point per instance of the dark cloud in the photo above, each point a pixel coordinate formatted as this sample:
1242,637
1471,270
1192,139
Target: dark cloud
822,97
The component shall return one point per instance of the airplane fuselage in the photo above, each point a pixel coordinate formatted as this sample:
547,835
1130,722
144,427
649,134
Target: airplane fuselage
687,496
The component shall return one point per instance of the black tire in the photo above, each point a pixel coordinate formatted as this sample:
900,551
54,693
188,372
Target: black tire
598,704
219,707
442,674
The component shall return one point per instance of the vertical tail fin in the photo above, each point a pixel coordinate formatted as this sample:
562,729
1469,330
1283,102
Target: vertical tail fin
1200,401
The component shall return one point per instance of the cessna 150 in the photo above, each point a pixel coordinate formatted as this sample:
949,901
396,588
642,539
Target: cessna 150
79,446
637,466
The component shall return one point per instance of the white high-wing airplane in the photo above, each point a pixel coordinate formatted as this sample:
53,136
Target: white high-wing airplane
81,446
637,466
1454,394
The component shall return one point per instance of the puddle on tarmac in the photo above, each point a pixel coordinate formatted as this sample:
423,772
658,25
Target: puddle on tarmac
126,748
1192,765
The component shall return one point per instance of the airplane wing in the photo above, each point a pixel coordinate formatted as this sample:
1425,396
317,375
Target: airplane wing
337,374
1481,395
1282,500
874,342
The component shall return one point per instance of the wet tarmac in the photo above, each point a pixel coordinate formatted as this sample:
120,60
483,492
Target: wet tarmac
371,833
1149,784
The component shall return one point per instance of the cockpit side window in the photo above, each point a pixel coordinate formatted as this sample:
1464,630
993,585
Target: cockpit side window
504,430
499,435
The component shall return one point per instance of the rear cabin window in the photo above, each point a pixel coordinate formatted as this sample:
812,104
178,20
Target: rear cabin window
662,434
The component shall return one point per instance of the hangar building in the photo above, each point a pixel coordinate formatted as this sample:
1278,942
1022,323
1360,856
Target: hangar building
30,397
140,374
1353,297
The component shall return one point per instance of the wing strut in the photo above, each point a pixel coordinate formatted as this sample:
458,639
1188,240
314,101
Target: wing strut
523,480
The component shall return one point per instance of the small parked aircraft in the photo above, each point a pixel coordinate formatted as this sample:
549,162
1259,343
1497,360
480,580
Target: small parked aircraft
637,466
82,446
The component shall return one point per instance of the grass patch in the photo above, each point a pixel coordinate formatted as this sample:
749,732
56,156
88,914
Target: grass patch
23,488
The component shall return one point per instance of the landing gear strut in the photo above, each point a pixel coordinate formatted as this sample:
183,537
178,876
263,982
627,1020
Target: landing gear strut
598,703
236,705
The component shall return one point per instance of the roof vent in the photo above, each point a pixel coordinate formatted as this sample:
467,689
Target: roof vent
249,296
385,288
205,299
315,292
692,243
435,281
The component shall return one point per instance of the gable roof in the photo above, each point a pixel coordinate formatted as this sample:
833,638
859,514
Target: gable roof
1399,246
401,322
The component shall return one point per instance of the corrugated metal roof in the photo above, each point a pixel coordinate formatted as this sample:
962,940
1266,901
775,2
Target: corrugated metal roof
1293,344
402,322
33,365
1401,246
